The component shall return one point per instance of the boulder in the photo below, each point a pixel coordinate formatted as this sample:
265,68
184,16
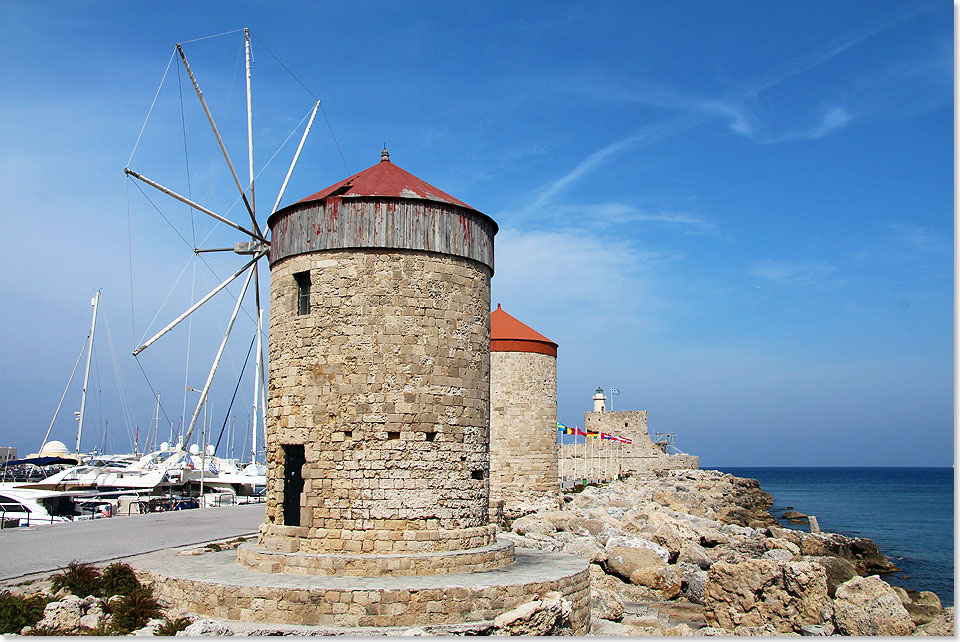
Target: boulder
710,631
695,582
637,542
773,543
206,627
755,592
814,630
838,570
549,615
666,535
692,553
859,551
764,630
942,625
533,524
870,606
679,629
778,554
64,614
605,604
587,548
624,590
624,561
793,536
152,627
664,579
584,526
559,518
711,537
923,606
793,514
599,626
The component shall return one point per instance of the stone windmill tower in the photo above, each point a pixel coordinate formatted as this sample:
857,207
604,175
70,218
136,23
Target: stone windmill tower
379,369
523,413
378,438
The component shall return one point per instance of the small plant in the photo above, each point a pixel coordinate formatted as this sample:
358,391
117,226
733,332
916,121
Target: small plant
214,547
80,578
172,627
118,579
133,610
18,611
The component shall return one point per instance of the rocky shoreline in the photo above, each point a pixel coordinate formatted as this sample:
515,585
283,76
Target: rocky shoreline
697,552
677,552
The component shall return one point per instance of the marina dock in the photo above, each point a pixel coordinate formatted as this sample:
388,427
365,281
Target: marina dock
42,549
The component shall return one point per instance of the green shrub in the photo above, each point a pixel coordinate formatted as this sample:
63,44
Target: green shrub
80,578
133,610
171,627
18,611
118,579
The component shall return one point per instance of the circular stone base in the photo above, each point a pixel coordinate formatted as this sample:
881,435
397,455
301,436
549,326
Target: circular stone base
214,585
498,554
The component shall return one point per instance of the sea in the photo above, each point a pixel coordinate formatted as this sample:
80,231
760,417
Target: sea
908,512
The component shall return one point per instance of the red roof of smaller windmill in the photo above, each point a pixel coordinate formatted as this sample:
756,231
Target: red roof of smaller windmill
387,180
507,334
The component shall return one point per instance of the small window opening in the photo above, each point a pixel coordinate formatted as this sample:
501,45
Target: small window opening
303,292
477,474
348,434
626,425
430,435
393,435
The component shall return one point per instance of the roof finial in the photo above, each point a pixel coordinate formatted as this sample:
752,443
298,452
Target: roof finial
384,155
498,306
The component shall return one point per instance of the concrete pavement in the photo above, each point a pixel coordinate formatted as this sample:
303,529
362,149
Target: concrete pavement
41,549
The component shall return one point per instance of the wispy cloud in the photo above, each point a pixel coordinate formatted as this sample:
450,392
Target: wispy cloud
731,107
618,214
792,272
585,283
834,118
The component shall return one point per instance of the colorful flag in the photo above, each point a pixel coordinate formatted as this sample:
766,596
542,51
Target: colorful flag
579,432
593,433
614,391
626,441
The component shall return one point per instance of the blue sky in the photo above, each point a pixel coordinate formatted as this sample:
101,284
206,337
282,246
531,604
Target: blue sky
740,214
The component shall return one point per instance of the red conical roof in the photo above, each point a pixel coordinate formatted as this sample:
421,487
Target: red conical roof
507,334
387,180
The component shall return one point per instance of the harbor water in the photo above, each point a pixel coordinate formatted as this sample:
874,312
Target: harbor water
908,512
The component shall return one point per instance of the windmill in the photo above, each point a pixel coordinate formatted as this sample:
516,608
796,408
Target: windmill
254,245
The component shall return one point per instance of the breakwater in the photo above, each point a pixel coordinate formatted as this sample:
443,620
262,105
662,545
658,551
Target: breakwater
685,551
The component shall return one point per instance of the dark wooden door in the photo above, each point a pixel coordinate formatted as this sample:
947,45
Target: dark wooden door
292,484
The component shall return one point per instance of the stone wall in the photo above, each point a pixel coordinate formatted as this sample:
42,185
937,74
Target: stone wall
386,385
523,426
594,460
642,454
380,602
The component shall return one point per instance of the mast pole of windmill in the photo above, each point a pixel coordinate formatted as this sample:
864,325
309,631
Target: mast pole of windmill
253,206
86,374
256,385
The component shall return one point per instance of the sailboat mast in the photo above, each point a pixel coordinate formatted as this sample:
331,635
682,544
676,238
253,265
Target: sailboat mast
86,375
256,385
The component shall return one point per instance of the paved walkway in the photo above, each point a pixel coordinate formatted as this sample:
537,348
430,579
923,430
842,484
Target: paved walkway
41,549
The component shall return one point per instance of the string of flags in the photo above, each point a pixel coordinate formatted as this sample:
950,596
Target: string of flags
566,430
